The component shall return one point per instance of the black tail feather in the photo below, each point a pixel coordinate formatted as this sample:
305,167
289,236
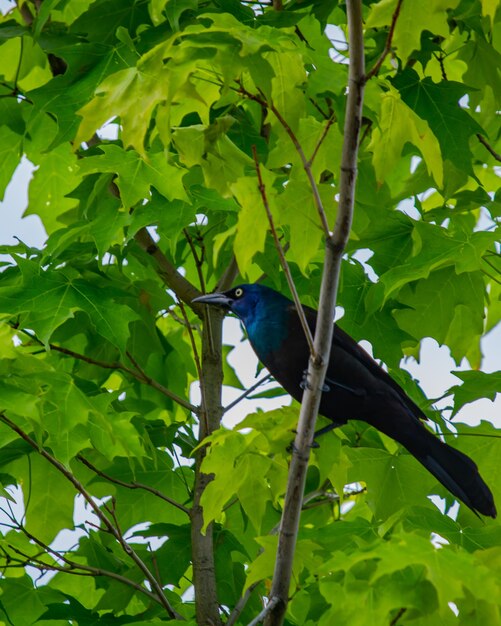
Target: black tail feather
456,471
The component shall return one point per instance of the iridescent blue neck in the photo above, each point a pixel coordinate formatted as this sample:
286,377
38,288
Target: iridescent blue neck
266,323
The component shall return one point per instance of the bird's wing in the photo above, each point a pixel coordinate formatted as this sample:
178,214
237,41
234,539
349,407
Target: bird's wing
350,349
347,344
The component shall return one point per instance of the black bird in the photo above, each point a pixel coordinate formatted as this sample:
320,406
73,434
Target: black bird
356,387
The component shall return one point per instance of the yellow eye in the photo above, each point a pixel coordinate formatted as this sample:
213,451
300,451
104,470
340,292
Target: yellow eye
239,292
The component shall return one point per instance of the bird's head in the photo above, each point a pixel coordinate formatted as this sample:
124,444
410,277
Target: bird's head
241,300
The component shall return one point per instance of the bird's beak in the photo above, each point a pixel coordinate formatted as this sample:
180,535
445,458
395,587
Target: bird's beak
215,299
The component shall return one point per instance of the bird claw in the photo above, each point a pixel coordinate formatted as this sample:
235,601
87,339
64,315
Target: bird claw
304,384
291,448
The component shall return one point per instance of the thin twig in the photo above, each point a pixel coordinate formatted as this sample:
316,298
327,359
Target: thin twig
281,256
143,376
246,393
240,605
399,614
440,59
487,145
307,168
133,485
367,129
198,364
140,375
183,289
328,497
196,356
273,602
496,280
456,435
228,276
327,126
387,46
198,262
299,149
325,115
127,548
496,269
87,570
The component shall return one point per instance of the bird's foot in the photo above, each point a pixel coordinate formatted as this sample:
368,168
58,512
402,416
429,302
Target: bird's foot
305,384
292,446
293,449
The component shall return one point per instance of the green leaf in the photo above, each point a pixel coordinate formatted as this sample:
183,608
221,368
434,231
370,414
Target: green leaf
52,182
46,299
252,221
397,474
296,210
174,9
475,385
435,248
20,600
399,125
447,307
412,20
10,155
135,175
48,497
17,401
437,103
117,95
87,66
483,62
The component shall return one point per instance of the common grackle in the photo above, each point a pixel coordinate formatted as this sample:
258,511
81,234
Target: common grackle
356,387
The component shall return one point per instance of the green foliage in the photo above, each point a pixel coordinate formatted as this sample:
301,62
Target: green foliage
150,114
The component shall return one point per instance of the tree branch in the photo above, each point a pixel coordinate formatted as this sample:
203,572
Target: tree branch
246,393
196,258
240,605
143,376
299,149
268,609
281,256
229,275
387,46
183,289
99,513
140,375
202,541
133,485
399,614
317,367
327,126
307,167
77,569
